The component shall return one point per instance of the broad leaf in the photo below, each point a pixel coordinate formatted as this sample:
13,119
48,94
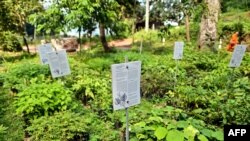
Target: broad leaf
160,132
202,138
175,135
190,132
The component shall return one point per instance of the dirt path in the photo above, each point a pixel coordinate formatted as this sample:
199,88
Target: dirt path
121,44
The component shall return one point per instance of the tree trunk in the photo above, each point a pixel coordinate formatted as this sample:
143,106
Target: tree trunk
187,28
147,16
26,44
103,37
208,31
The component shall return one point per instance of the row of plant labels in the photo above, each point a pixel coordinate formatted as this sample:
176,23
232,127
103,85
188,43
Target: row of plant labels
125,76
235,61
57,60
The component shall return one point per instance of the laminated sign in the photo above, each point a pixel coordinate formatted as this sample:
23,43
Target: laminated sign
178,50
58,62
238,54
126,84
43,50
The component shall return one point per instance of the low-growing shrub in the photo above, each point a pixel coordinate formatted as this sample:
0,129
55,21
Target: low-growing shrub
42,99
69,126
19,76
9,42
63,126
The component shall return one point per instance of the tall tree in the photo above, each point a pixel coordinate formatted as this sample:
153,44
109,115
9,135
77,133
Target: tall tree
106,14
208,25
14,14
84,14
147,16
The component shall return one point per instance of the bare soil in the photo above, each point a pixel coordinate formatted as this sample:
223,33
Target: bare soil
122,44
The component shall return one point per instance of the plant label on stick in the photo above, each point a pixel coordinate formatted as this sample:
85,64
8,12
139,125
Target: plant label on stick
178,50
126,84
237,56
58,62
43,50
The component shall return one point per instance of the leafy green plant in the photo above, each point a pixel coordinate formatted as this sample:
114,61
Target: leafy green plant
42,99
17,77
9,42
62,126
69,126
94,89
159,126
2,129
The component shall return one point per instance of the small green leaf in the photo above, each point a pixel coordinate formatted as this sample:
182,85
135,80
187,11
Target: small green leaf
207,132
190,132
157,119
141,124
160,132
197,111
182,124
175,135
171,126
141,136
202,138
218,135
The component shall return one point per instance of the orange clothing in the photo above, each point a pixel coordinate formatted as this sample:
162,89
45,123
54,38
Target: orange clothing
233,42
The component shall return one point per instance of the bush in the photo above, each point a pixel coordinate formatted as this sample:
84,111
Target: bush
9,42
63,126
42,99
19,76
69,126
2,129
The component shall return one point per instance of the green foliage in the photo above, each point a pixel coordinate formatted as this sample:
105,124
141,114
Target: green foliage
121,29
62,126
159,124
9,42
42,99
12,123
2,129
91,87
69,126
234,5
18,77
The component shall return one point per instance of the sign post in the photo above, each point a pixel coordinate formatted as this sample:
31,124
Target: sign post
236,59
126,87
178,54
127,123
43,50
58,62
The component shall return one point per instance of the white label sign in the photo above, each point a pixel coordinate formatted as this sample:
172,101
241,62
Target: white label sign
43,50
237,57
178,50
58,62
126,84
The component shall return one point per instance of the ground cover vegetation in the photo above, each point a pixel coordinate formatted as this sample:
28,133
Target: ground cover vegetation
186,100
205,96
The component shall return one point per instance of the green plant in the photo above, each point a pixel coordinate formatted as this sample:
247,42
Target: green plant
94,89
160,125
2,129
70,126
42,99
18,77
9,42
62,126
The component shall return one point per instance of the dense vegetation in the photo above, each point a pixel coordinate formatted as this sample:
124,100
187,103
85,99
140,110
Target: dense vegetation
195,105
186,100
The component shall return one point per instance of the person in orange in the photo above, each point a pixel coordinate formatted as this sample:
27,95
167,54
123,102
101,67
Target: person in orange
233,42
